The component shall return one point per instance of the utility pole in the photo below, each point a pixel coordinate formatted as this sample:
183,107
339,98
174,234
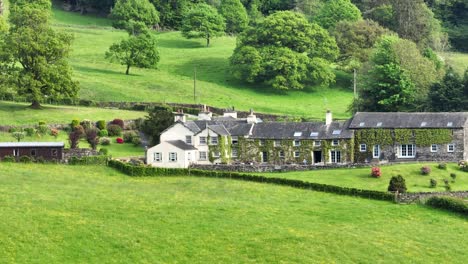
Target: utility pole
355,85
195,84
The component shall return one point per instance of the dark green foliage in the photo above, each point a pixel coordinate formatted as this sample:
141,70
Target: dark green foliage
442,166
397,184
103,151
449,204
74,123
449,94
235,15
8,159
127,11
334,11
101,124
286,52
136,141
25,159
114,130
203,21
18,135
171,12
433,183
128,136
89,160
42,130
453,176
103,133
30,131
158,119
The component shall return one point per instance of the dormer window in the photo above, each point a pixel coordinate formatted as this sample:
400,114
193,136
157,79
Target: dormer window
297,134
314,134
336,132
423,124
297,143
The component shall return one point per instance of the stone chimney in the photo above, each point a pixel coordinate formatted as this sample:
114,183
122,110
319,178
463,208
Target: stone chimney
230,113
205,114
251,118
180,116
328,118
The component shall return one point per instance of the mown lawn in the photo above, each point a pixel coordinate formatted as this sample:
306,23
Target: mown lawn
360,177
102,80
62,214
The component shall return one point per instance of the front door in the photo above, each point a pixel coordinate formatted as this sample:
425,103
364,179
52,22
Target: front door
317,156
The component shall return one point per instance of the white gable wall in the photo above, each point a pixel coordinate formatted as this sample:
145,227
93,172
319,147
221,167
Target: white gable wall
176,132
184,157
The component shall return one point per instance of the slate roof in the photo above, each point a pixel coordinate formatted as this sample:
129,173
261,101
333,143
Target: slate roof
31,144
309,130
228,126
409,120
181,145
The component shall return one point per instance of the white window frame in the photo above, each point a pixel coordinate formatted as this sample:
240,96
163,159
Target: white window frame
296,143
363,147
451,147
436,149
335,142
335,156
16,153
297,154
188,139
281,154
202,157
234,140
202,140
317,143
216,154
376,151
261,142
172,156
234,153
277,143
214,141
405,151
156,158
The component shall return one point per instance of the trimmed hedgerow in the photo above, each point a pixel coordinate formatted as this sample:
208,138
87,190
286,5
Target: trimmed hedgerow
89,160
138,171
449,204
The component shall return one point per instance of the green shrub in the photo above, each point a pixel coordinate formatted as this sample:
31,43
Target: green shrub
43,130
450,204
103,151
101,124
13,130
397,184
425,170
129,135
86,124
442,166
114,130
103,133
30,131
89,160
9,159
41,123
40,159
453,176
136,141
433,183
105,141
25,159
18,135
74,123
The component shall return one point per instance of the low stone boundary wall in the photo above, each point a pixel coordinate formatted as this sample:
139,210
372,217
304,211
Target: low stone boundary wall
274,168
78,153
416,197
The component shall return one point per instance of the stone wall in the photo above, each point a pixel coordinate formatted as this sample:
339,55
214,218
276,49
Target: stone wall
417,197
79,153
273,168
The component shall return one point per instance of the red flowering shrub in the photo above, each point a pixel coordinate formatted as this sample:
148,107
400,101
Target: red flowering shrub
376,172
118,122
425,170
120,140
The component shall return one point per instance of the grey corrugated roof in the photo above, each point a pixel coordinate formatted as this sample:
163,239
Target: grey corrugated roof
286,130
181,145
31,144
409,120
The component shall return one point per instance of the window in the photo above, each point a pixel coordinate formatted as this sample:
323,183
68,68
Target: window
54,152
216,154
277,143
335,156
157,156
336,132
188,140
172,156
317,143
297,134
314,134
434,148
202,155
16,153
450,147
235,140
335,142
281,154
214,141
33,152
407,151
202,140
234,153
363,147
376,152
297,154
297,143
262,142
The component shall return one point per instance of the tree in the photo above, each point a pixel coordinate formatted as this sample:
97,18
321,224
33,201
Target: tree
334,11
18,135
142,11
397,184
137,50
92,137
203,21
284,51
158,119
33,56
449,95
171,12
235,14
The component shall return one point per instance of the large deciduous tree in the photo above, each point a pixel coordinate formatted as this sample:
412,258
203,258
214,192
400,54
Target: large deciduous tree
235,14
126,11
203,21
34,56
334,11
450,94
286,52
171,12
158,119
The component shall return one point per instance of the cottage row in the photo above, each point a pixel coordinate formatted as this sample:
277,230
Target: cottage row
365,138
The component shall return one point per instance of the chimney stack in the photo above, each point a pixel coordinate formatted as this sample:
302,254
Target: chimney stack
328,118
205,114
251,118
230,113
180,116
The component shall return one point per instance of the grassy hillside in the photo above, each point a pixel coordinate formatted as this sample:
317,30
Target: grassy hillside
459,61
59,214
173,81
360,178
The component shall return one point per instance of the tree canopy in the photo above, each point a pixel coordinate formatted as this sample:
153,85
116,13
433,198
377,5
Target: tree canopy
450,94
34,56
235,14
334,11
125,11
157,120
286,52
203,21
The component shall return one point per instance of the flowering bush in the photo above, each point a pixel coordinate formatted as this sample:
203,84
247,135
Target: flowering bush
376,172
120,140
105,141
425,170
463,165
118,122
54,132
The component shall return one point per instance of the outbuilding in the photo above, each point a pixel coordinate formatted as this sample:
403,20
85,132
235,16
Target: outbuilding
34,150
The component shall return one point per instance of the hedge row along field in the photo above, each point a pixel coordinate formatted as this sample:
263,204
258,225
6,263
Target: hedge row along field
449,204
137,171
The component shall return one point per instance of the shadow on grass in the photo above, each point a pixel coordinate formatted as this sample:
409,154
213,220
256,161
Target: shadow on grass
85,69
179,43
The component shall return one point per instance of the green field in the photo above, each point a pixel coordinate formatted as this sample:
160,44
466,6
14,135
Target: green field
459,61
173,82
20,114
79,214
360,177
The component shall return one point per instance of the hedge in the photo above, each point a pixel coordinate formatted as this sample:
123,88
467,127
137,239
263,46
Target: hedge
449,204
137,171
89,160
